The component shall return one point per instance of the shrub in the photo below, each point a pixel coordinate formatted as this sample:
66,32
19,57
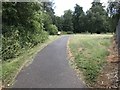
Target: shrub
10,46
52,29
69,32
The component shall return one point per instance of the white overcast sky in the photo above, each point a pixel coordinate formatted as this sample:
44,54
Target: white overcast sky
62,5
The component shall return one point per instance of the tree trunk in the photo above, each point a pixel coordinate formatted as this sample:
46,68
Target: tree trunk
118,36
118,42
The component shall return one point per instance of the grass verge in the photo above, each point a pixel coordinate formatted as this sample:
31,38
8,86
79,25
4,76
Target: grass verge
12,67
90,52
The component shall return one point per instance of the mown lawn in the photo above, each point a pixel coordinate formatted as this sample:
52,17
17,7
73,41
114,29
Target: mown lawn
12,67
90,52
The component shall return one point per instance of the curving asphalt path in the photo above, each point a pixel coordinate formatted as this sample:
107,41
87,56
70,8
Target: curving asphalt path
50,69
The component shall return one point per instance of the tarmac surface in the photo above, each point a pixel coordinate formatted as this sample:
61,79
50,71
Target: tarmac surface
49,69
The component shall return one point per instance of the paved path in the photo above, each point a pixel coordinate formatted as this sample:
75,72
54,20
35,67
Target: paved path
50,69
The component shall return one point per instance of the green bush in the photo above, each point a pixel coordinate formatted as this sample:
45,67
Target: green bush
63,32
22,30
52,29
69,32
10,46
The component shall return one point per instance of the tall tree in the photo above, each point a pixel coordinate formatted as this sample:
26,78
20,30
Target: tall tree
48,7
59,22
114,11
67,23
98,18
76,18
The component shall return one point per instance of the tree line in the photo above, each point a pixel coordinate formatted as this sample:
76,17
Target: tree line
95,20
26,24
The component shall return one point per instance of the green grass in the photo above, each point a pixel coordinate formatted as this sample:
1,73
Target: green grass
12,67
90,52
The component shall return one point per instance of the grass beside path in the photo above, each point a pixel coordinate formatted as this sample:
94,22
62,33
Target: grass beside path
12,67
90,52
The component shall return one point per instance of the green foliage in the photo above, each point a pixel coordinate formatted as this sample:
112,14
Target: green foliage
78,21
10,46
67,23
69,32
95,20
97,17
48,8
114,11
59,22
47,20
52,29
23,27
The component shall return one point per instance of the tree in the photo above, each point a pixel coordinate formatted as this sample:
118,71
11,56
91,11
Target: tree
114,11
22,27
97,19
82,23
52,29
77,23
59,22
67,21
47,20
48,8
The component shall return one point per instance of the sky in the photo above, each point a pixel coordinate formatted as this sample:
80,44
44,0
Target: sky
62,5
